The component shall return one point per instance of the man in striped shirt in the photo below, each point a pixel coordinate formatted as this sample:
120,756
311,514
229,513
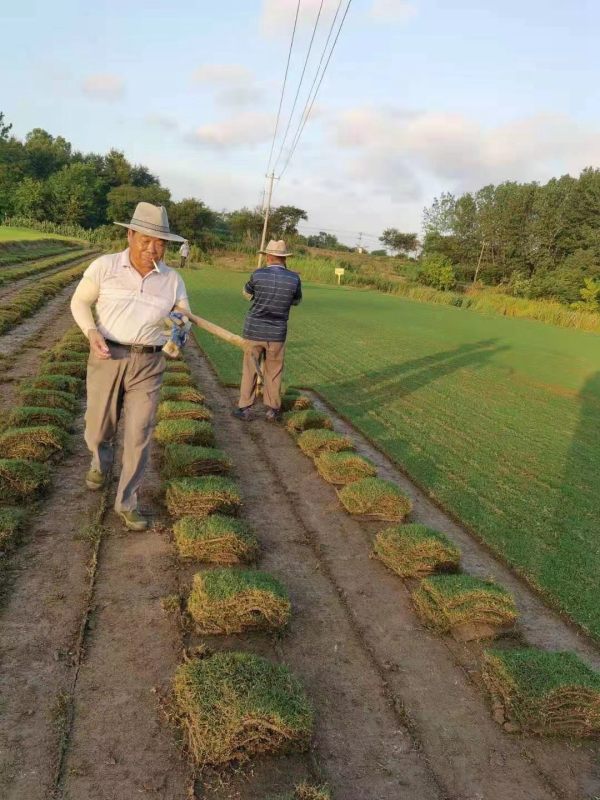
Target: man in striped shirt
273,289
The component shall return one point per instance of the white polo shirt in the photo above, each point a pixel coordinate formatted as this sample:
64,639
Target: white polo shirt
129,307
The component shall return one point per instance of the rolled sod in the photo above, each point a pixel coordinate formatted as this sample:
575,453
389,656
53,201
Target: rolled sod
226,601
177,379
298,421
293,400
38,415
188,394
376,498
63,383
21,480
200,497
465,606
541,693
415,551
179,409
185,460
36,443
343,468
47,398
66,354
177,366
11,522
216,539
233,706
184,431
76,368
320,440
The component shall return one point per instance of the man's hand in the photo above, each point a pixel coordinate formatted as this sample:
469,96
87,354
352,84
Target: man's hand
97,344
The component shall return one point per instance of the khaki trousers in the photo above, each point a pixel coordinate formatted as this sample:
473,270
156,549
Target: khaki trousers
128,382
272,370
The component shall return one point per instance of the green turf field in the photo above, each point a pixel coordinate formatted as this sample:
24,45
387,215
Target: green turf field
24,234
499,419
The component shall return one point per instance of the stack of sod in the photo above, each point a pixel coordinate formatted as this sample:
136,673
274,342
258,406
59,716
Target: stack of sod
464,606
11,521
305,791
298,421
377,498
187,394
20,479
343,468
62,383
232,706
46,398
215,539
177,379
76,368
40,415
320,440
414,551
184,431
177,366
292,400
200,497
547,694
178,409
226,601
186,460
33,443
69,352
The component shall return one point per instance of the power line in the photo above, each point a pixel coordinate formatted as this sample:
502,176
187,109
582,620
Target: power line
304,119
287,66
287,129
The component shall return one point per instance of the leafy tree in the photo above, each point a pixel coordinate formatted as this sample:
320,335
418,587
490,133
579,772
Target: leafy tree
77,195
590,296
45,154
323,240
122,200
191,218
116,170
141,176
245,223
400,243
5,128
436,270
32,199
284,220
379,252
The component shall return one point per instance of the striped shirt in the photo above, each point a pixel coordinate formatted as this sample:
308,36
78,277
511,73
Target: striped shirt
274,289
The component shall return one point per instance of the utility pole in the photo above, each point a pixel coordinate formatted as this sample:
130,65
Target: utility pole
359,243
483,246
267,211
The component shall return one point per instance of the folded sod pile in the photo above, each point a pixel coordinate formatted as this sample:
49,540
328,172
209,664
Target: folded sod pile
76,368
225,601
177,366
377,498
21,480
320,440
292,400
304,792
184,431
48,398
177,379
414,551
200,497
34,443
547,694
11,521
62,383
38,415
216,539
185,394
232,706
70,353
343,468
298,421
187,460
180,409
467,607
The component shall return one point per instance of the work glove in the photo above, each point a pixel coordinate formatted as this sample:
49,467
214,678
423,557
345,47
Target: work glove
177,326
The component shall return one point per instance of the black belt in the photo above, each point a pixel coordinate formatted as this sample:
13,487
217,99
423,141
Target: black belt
137,348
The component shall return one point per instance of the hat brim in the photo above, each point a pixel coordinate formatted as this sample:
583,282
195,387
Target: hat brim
167,237
269,253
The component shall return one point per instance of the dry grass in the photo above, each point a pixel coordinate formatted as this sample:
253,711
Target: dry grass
34,444
344,468
215,539
36,415
376,498
415,551
187,394
21,480
200,497
320,440
180,409
226,601
546,694
232,706
11,522
298,421
184,431
186,460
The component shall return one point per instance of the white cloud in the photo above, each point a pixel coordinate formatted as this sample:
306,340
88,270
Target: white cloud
277,16
246,129
234,86
104,87
393,10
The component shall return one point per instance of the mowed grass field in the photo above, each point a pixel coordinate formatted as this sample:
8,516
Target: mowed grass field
24,234
498,419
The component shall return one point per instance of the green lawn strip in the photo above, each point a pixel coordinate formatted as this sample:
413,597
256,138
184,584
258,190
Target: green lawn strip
39,415
298,421
40,266
215,539
233,706
21,480
186,394
35,443
343,468
28,237
11,523
320,440
182,460
184,431
465,403
375,498
180,409
415,551
202,496
226,601
447,603
544,693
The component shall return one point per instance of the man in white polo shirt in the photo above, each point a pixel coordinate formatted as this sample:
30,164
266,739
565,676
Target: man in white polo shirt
132,291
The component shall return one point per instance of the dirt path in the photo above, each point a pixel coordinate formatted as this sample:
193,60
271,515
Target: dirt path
15,286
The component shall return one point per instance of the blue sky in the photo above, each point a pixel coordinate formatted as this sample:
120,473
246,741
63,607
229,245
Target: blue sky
421,96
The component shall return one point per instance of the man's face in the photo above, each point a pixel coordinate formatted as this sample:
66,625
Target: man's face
145,249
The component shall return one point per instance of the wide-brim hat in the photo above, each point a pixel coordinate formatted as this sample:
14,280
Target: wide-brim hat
276,249
153,221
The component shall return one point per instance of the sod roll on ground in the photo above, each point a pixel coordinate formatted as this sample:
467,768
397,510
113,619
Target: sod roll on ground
186,394
375,498
232,706
38,443
200,497
184,431
320,440
293,400
216,539
181,409
186,460
415,551
21,480
343,468
546,694
11,522
298,421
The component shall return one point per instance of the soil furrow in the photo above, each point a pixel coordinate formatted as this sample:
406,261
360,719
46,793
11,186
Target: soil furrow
9,289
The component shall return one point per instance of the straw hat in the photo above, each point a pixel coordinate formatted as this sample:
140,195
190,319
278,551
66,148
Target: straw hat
153,221
275,249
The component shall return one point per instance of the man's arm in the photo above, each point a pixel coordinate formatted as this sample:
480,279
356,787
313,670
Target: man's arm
248,290
84,297
297,299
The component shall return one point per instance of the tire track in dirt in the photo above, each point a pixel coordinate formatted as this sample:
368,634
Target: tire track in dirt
469,753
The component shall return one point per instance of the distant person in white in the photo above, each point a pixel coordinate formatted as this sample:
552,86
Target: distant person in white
132,291
184,252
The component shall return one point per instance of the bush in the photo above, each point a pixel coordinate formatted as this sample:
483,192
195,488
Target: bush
21,480
320,440
200,497
183,460
184,431
215,539
232,706
414,551
436,270
377,498
343,468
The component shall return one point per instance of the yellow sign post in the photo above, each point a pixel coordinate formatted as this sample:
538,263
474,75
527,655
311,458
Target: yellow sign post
339,271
